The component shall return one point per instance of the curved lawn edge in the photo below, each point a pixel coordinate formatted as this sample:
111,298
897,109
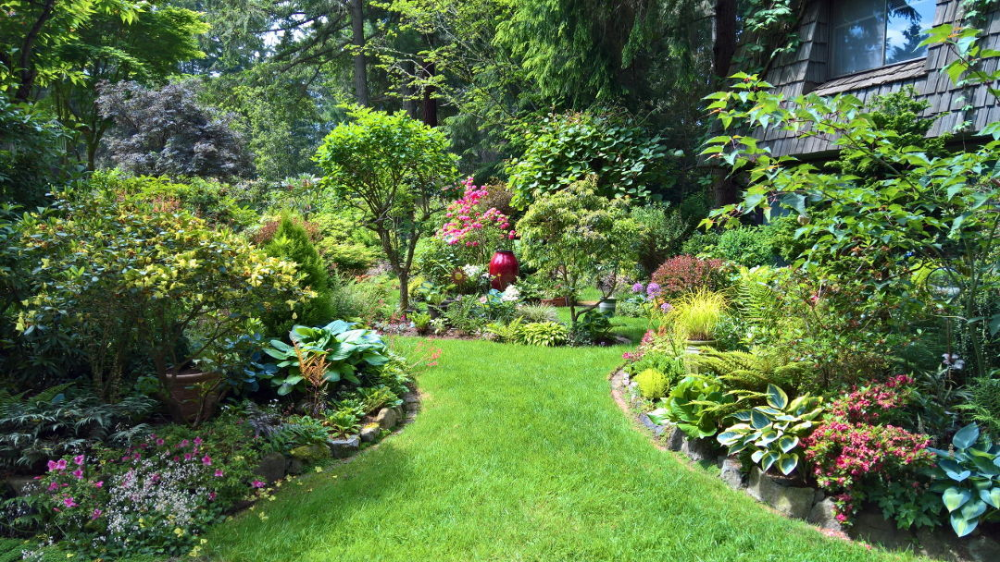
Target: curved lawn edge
519,453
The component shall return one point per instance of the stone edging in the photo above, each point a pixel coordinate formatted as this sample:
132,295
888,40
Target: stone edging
808,504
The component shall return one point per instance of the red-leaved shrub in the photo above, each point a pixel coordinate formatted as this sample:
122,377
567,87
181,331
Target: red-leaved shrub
683,274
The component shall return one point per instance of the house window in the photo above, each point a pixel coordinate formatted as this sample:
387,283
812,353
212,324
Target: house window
868,34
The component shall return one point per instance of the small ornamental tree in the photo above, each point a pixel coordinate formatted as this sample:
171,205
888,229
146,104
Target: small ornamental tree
392,168
476,230
575,236
914,209
291,243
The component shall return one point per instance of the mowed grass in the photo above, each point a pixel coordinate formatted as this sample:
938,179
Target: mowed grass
519,454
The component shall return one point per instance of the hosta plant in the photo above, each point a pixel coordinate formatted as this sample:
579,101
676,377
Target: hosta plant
545,334
968,479
695,405
774,432
346,353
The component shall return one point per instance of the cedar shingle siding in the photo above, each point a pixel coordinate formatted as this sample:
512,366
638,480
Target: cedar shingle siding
807,71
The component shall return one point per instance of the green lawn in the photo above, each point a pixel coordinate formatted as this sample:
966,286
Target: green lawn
519,454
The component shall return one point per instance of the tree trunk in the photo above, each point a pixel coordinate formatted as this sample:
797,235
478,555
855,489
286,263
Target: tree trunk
404,289
429,114
723,37
358,40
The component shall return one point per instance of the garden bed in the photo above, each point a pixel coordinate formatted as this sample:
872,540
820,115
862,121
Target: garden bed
795,499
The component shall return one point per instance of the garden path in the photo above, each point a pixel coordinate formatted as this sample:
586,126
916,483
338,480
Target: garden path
519,454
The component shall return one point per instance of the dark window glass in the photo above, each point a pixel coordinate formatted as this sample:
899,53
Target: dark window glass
868,34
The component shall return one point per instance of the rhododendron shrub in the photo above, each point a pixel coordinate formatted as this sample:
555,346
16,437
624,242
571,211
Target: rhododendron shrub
857,456
477,230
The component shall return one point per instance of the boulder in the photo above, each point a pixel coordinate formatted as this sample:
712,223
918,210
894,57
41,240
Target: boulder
370,433
983,549
870,526
310,454
941,544
824,515
272,467
343,448
387,418
656,429
732,473
699,450
675,438
787,500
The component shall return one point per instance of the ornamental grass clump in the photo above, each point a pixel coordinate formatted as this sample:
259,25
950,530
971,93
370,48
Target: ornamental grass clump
696,315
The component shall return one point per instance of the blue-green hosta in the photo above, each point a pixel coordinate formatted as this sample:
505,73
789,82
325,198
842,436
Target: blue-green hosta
774,432
968,479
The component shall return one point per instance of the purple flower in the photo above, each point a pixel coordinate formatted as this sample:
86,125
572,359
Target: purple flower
653,290
666,307
637,288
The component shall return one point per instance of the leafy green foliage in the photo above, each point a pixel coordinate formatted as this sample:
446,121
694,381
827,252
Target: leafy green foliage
349,353
161,286
544,334
574,234
984,405
773,432
665,230
968,479
391,169
592,327
564,149
61,420
696,405
746,246
755,370
653,384
291,243
31,158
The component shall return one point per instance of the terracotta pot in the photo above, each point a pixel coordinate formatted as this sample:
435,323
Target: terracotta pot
503,269
194,395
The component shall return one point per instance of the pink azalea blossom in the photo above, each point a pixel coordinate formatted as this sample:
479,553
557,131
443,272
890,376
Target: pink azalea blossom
219,473
258,484
95,514
78,474
78,460
68,502
206,460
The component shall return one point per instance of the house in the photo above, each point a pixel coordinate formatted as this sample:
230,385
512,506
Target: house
871,47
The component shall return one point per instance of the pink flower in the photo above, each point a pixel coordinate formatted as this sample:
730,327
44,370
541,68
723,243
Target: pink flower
52,466
78,474
95,514
99,484
187,456
183,443
68,502
160,442
257,484
219,473
206,460
53,486
78,460
211,496
198,441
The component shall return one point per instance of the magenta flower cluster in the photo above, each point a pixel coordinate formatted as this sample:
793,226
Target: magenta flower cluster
471,226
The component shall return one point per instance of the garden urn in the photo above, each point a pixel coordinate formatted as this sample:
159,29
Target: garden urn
608,307
194,395
503,269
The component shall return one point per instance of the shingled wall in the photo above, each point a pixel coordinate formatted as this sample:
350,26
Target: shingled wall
807,70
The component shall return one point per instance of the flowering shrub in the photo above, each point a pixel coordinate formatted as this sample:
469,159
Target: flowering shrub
857,456
153,498
476,228
684,274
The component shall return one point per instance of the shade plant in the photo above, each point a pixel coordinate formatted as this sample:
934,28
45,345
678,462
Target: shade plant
968,479
133,282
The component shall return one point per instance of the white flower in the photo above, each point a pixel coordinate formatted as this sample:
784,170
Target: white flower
511,294
953,361
473,271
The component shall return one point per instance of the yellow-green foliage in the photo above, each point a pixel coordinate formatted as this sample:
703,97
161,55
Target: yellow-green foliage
696,315
653,384
750,371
